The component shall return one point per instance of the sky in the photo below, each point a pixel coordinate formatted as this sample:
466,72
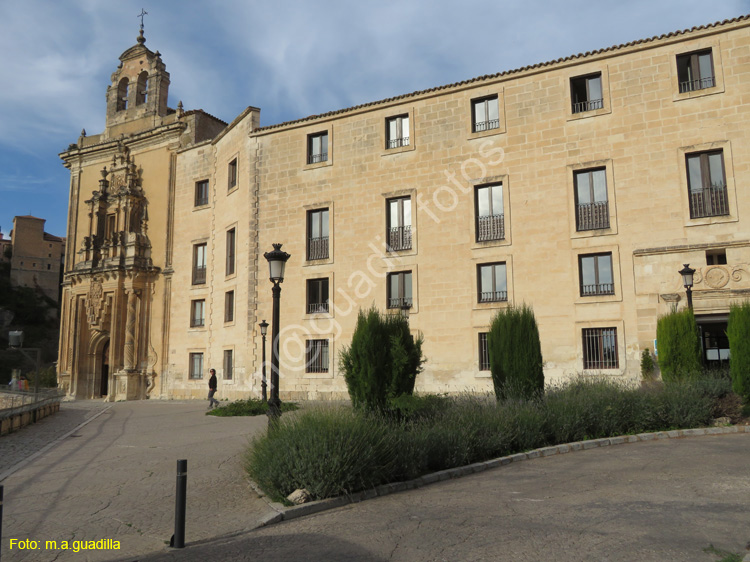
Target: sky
291,58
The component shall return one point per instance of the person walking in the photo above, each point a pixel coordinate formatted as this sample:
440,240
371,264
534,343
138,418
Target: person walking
212,390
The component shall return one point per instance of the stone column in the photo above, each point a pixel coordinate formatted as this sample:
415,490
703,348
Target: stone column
130,331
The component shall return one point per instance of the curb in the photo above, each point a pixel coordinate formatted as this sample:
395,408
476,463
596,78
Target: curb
283,513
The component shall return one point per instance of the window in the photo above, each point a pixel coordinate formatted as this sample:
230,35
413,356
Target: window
492,283
230,251
141,94
592,206
122,94
707,184
229,306
232,174
199,264
600,348
196,366
317,148
484,352
228,364
197,313
201,193
596,275
397,131
485,114
317,295
110,226
399,224
586,93
488,202
695,71
399,290
317,234
716,257
316,356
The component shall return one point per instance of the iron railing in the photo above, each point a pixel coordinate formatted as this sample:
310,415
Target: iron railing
199,275
315,157
399,238
593,216
484,353
317,248
399,302
699,84
316,360
588,105
395,143
490,227
486,125
597,289
493,296
709,201
317,308
600,348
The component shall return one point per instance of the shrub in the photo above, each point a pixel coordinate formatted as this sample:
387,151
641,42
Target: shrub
647,365
679,346
249,407
738,331
515,353
382,361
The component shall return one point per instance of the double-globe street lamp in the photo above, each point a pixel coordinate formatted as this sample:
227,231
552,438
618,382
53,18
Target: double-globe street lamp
276,265
687,273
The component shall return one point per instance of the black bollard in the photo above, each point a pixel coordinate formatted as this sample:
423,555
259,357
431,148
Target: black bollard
178,539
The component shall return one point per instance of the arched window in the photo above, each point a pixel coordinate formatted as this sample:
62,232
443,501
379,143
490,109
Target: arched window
122,94
141,95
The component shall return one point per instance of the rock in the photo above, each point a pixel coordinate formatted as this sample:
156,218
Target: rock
299,496
718,422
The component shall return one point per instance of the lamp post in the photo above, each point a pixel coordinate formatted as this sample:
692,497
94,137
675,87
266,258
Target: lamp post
263,331
276,265
687,280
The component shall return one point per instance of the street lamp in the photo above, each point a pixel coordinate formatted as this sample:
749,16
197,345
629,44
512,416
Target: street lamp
263,331
687,280
276,265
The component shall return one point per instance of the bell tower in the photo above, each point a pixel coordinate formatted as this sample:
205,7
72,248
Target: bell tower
137,94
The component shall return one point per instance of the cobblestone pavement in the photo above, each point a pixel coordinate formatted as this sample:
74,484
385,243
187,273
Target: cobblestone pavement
114,478
22,444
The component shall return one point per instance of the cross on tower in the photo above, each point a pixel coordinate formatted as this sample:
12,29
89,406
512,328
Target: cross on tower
143,13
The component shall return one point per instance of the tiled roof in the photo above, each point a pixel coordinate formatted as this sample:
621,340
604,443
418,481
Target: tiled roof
505,73
52,237
190,112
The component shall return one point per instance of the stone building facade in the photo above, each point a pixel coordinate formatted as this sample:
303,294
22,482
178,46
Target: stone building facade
579,186
36,256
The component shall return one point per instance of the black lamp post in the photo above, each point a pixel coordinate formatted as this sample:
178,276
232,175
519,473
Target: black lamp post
263,331
276,265
687,280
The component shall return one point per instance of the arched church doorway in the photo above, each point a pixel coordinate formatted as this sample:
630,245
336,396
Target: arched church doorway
104,387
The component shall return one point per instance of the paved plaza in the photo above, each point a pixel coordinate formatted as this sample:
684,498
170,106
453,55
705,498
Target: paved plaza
114,478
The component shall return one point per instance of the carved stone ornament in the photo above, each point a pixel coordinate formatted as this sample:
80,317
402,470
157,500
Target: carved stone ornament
716,277
94,301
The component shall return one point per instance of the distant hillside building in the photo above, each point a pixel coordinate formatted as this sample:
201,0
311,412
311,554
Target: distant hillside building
579,186
37,256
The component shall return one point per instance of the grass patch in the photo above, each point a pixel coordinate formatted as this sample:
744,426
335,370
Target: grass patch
249,407
337,451
726,556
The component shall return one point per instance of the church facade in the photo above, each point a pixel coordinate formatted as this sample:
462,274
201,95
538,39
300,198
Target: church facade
579,186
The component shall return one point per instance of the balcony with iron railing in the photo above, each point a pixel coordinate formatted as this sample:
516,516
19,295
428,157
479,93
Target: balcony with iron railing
490,227
199,275
592,216
699,84
399,238
588,105
316,157
317,308
493,296
709,201
395,143
597,289
317,248
399,302
480,126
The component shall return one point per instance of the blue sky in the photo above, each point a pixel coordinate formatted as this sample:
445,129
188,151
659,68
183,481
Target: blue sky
291,58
